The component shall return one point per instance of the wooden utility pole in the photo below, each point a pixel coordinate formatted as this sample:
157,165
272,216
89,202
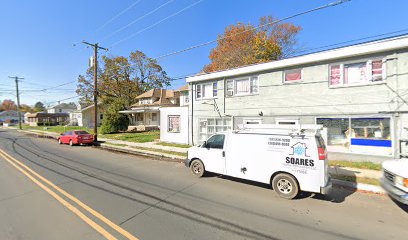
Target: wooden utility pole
95,65
18,100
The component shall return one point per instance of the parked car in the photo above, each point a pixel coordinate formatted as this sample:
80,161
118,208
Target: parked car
75,138
395,179
290,160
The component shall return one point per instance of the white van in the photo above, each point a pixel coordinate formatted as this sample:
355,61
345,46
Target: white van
395,179
291,159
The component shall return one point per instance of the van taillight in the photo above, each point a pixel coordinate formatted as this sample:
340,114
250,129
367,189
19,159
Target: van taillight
322,153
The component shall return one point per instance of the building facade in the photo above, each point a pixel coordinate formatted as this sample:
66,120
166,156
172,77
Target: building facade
62,108
174,120
359,93
145,113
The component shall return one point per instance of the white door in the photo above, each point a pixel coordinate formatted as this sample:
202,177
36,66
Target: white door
214,160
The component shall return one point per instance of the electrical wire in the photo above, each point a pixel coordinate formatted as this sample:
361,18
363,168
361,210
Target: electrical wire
118,15
157,23
251,29
137,20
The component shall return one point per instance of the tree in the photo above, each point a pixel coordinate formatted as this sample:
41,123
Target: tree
7,105
242,44
26,108
112,120
123,78
39,107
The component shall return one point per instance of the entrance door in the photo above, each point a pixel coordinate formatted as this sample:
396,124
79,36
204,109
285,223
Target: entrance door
214,154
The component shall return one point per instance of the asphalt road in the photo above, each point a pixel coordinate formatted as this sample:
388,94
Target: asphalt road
161,200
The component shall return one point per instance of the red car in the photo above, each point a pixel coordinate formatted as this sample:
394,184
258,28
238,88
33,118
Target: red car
75,137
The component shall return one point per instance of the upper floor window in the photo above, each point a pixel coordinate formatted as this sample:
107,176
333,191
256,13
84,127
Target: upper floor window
145,101
243,86
357,73
293,75
206,90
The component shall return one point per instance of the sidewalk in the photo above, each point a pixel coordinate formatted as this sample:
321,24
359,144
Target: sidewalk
146,149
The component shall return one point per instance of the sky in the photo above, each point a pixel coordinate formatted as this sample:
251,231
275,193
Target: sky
41,40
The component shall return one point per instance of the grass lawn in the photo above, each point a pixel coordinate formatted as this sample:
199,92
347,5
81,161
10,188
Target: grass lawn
360,165
371,181
161,151
140,137
173,145
56,129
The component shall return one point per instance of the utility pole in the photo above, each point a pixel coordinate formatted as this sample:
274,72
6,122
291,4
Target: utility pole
96,47
18,100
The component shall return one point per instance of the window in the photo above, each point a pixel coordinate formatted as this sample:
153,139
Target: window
60,110
216,141
294,75
174,124
198,91
101,116
364,72
210,126
206,90
355,134
244,86
154,116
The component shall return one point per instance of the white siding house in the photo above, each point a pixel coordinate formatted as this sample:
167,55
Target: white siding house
357,92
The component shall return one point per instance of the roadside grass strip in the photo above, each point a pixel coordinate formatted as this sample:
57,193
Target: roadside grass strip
173,145
371,181
37,178
360,165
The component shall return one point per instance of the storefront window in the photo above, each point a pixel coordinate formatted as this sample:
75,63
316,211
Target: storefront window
371,128
337,131
360,135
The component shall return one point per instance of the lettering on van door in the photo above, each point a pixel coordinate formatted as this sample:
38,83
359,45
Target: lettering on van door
299,158
278,144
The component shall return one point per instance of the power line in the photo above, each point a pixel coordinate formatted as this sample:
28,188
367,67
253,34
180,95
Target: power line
353,40
157,23
137,19
251,29
117,15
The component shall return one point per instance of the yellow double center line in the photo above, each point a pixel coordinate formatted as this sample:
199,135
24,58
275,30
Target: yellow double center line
32,174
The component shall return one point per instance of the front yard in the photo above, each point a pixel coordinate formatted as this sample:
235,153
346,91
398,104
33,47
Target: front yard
139,137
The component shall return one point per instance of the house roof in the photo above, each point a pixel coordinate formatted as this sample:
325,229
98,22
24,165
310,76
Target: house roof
89,107
377,46
44,114
155,92
183,88
65,105
163,97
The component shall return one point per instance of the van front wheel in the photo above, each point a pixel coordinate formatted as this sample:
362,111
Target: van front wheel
197,168
285,186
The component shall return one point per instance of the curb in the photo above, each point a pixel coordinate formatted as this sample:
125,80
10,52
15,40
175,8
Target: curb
156,156
359,186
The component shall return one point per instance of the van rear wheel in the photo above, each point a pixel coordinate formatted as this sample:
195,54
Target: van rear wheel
197,168
285,186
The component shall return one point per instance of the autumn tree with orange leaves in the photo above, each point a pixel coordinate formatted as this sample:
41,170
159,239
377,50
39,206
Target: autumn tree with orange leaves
244,44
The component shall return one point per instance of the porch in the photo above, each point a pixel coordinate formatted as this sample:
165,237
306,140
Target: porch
143,119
